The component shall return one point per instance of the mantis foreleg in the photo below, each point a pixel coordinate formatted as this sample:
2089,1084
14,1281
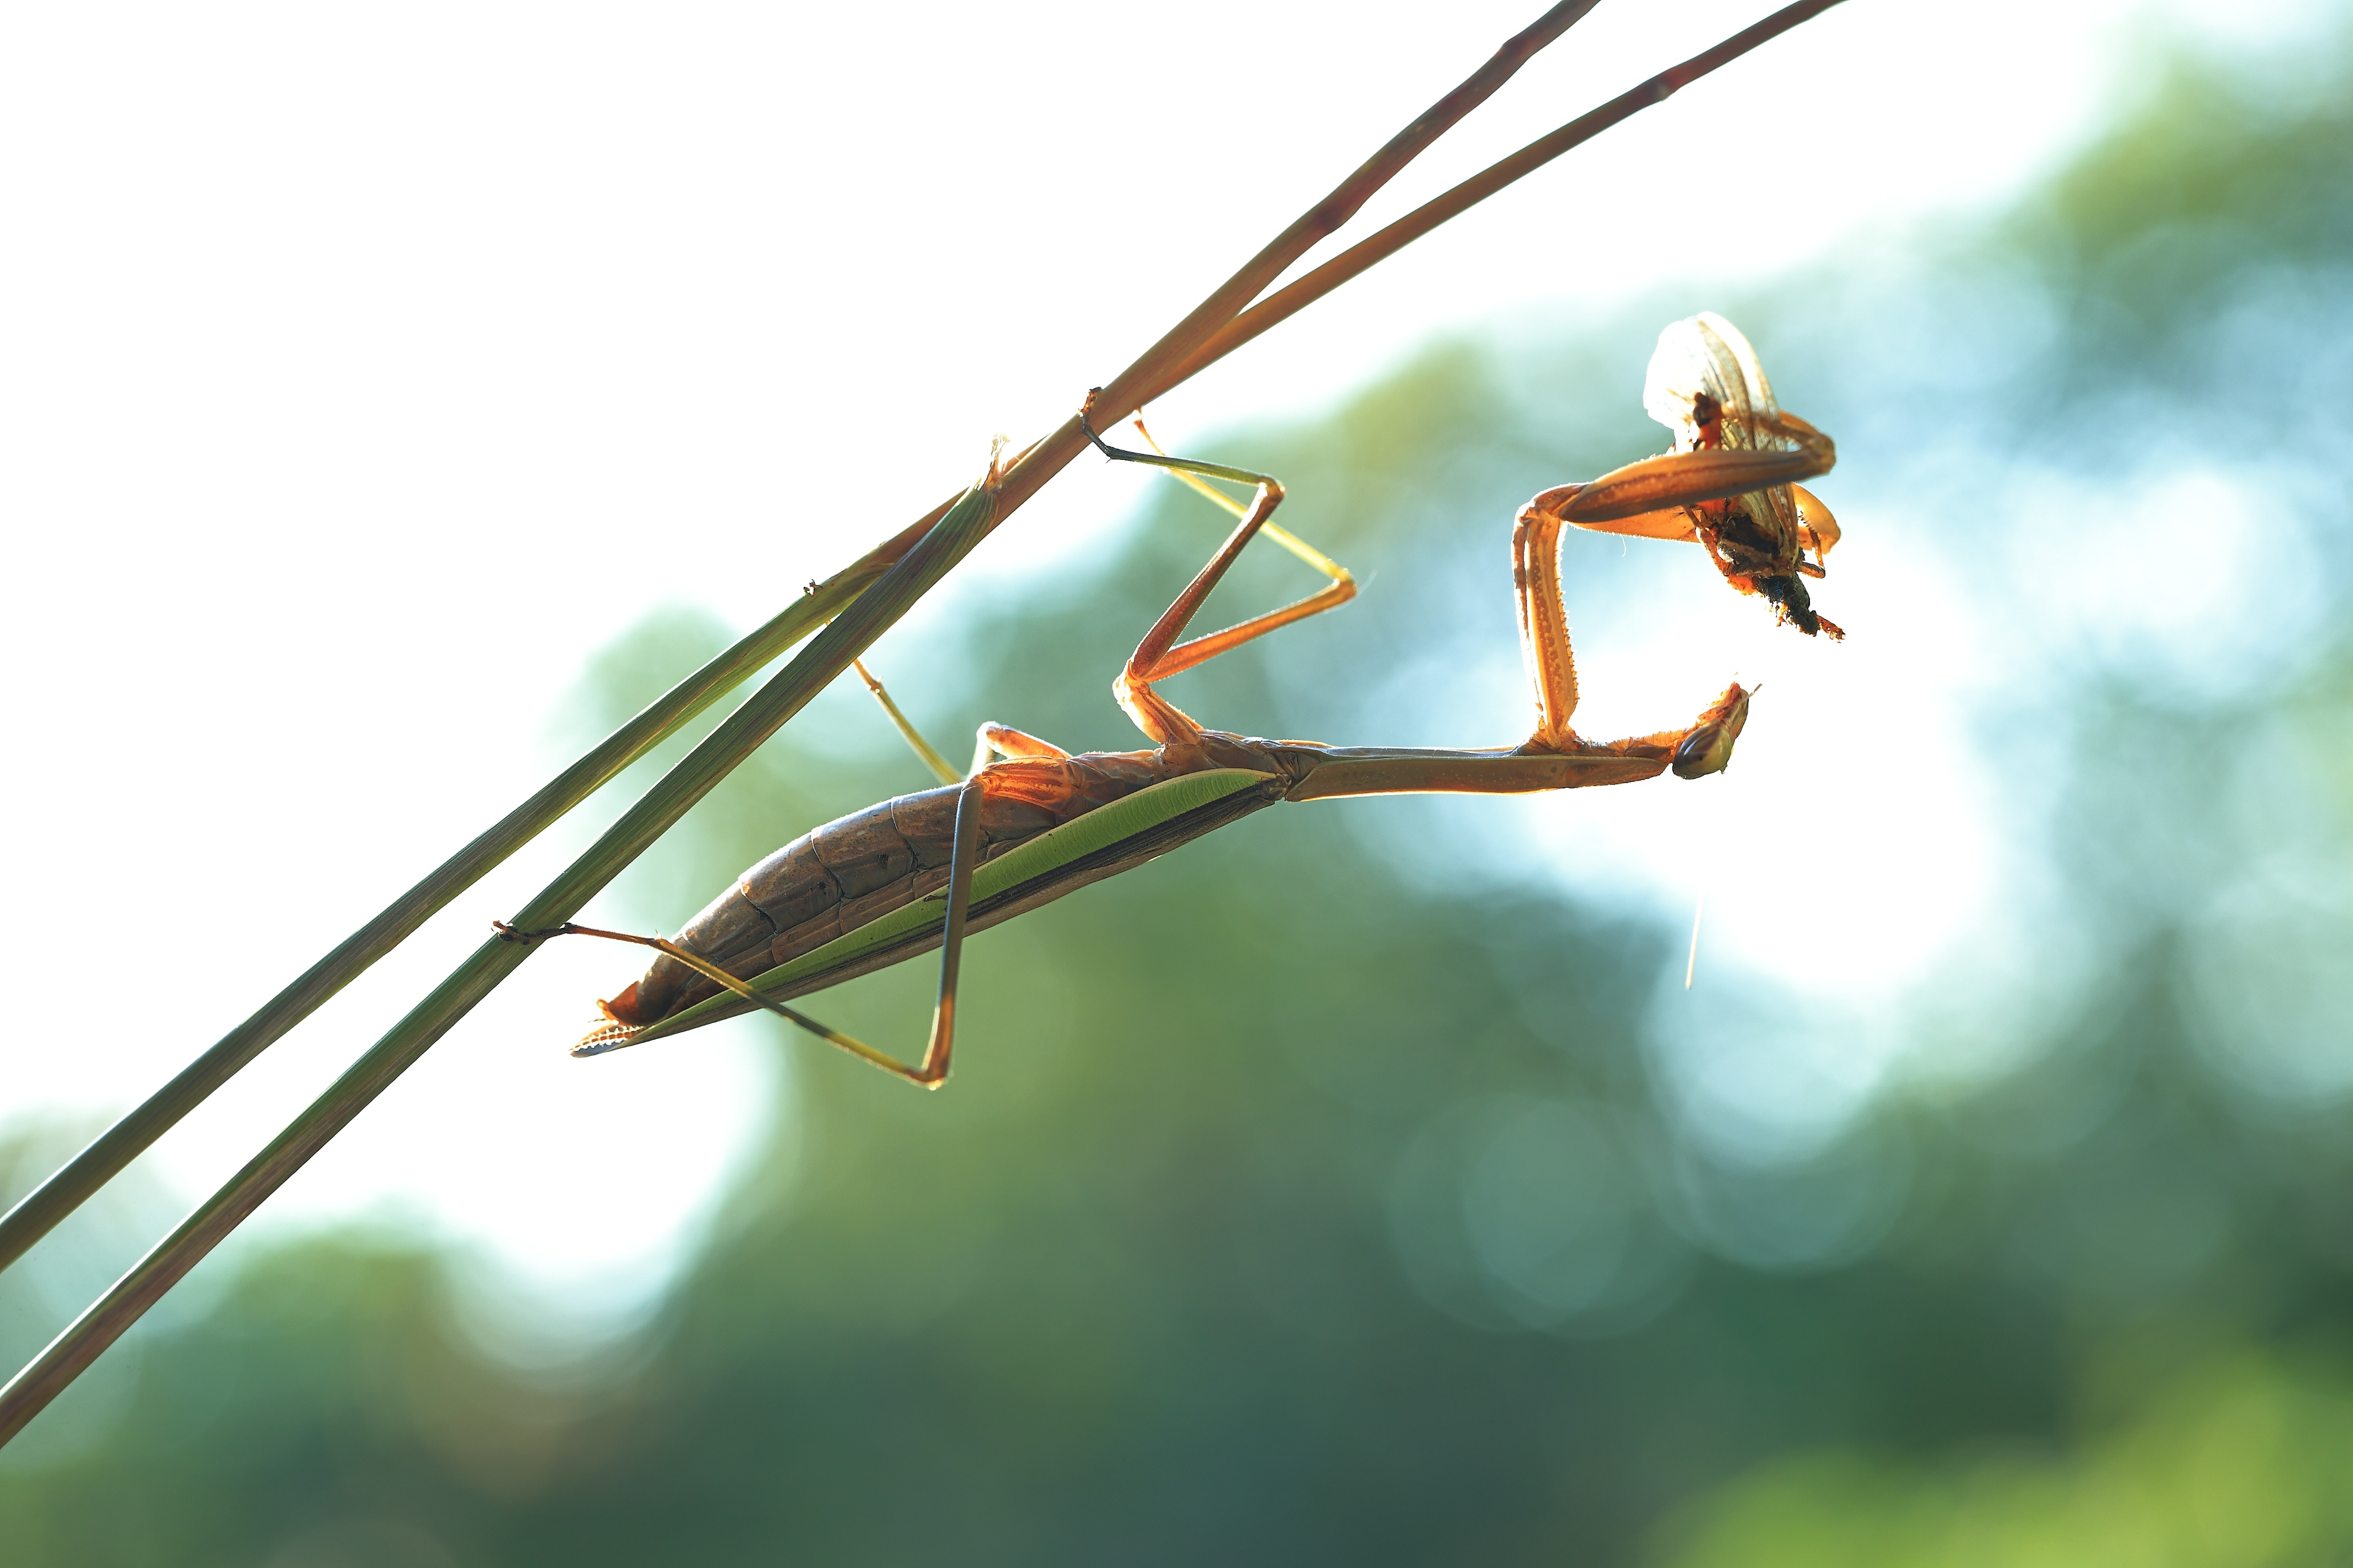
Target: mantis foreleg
1154,659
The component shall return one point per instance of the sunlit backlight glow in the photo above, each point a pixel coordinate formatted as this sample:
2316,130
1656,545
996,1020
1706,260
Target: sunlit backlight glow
344,447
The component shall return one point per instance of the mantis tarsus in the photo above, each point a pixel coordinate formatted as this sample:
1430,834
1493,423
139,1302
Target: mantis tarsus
1029,822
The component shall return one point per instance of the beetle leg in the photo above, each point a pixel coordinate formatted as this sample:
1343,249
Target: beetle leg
1816,527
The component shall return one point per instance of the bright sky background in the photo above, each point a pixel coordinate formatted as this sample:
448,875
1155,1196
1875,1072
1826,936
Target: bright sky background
361,371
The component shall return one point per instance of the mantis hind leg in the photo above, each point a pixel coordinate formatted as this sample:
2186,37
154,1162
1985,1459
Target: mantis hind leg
1160,655
933,1070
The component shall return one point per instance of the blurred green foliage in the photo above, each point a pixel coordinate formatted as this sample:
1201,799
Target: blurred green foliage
2236,1456
1298,1202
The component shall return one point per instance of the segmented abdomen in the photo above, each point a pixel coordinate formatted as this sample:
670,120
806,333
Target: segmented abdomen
838,877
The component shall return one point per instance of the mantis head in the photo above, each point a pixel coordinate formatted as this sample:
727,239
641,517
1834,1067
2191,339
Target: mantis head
1707,748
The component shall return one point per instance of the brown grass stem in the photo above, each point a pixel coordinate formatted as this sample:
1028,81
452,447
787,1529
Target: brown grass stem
1297,295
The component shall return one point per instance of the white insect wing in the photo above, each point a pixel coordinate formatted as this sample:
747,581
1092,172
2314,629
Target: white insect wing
1681,369
1706,354
1756,399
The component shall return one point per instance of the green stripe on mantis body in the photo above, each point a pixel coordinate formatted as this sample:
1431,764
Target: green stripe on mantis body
916,925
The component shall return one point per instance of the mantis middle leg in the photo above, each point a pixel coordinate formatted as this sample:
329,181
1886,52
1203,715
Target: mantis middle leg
1160,655
1156,659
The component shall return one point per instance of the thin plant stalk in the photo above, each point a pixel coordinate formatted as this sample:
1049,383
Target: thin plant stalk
40,1210
1160,363
810,672
1294,297
1178,354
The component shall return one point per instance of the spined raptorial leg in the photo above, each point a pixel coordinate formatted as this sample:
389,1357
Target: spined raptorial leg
1739,504
962,856
1648,500
1544,628
1731,483
1160,655
1703,747
1655,497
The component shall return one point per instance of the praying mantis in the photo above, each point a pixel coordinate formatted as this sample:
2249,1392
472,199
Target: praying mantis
1029,822
1729,485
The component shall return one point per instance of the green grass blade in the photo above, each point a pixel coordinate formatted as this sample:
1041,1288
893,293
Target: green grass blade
810,671
39,1211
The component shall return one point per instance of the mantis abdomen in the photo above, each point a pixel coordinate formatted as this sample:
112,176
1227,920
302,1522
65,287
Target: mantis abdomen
853,870
860,893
